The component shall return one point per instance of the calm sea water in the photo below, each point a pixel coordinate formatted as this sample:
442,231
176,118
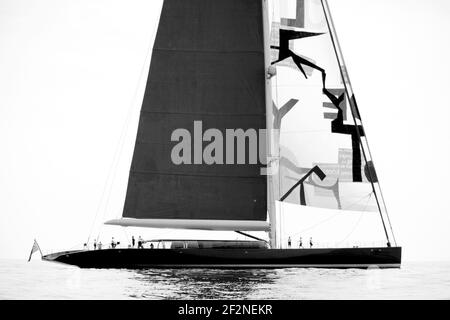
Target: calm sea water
45,280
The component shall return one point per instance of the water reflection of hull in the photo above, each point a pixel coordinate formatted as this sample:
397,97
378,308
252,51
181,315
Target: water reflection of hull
231,258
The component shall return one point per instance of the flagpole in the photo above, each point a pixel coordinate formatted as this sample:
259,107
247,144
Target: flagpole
31,253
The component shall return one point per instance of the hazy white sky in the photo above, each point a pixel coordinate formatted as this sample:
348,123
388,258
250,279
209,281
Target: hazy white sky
70,82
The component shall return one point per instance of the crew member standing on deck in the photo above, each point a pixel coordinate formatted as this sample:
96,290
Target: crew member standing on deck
133,241
289,242
140,243
300,243
310,242
95,244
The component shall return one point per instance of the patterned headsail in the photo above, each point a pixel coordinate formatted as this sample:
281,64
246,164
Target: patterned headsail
323,156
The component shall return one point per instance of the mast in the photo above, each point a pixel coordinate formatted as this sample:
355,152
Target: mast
271,144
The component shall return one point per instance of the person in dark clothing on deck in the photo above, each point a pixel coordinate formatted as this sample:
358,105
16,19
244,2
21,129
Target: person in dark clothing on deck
133,241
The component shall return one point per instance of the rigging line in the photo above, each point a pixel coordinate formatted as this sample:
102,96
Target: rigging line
99,232
357,223
128,118
120,144
368,196
102,228
105,188
127,237
345,80
353,229
317,224
250,236
356,202
335,215
123,135
108,179
366,140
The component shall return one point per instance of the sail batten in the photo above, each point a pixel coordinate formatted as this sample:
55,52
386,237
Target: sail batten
195,175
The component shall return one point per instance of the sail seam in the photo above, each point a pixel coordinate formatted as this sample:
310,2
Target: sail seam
209,51
205,113
202,175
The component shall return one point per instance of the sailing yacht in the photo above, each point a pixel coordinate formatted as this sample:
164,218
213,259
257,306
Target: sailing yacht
248,107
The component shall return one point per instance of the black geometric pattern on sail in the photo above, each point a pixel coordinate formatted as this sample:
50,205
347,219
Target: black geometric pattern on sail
328,105
286,163
338,126
317,171
285,52
334,188
278,114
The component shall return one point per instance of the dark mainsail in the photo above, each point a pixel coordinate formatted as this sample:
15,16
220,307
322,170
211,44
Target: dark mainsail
207,65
